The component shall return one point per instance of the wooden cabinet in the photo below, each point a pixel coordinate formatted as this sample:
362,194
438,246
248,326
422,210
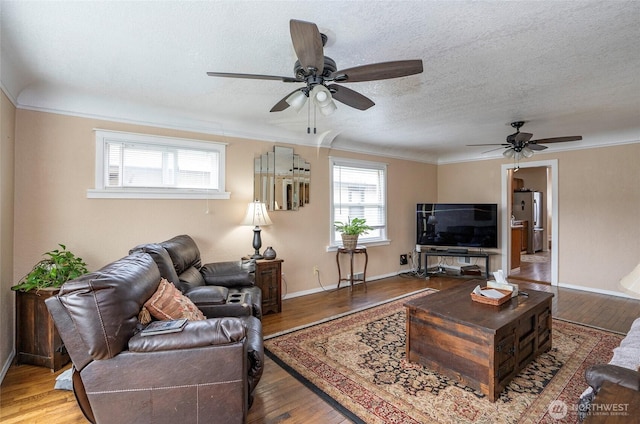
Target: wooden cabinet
516,245
525,236
37,340
269,279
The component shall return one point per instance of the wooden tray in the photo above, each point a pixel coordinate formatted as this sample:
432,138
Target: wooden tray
490,301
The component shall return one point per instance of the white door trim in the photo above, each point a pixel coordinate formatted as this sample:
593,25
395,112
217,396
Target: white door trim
506,207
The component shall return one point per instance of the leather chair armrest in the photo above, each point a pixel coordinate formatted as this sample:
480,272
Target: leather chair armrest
217,331
625,377
208,295
255,350
227,274
186,385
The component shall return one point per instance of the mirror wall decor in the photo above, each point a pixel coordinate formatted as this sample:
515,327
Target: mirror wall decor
282,179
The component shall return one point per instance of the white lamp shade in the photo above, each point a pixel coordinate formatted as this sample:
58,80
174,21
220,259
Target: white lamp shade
256,215
297,100
322,96
527,152
508,153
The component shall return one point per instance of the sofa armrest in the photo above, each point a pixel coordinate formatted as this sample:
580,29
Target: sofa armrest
217,331
185,385
625,377
228,274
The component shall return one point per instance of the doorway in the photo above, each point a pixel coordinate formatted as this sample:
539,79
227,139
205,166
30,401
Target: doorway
541,265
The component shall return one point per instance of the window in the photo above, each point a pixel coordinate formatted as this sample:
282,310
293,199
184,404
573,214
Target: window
359,190
144,166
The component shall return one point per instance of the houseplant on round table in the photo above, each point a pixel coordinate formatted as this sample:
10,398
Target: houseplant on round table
37,341
351,230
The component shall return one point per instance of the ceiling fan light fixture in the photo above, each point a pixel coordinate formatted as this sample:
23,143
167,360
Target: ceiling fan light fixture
527,152
297,100
322,97
508,153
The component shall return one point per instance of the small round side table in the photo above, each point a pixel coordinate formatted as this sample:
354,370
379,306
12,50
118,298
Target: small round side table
351,252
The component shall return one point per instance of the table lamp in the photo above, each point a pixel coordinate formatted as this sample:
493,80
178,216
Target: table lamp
256,216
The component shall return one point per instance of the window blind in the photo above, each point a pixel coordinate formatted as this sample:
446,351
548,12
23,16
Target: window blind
359,191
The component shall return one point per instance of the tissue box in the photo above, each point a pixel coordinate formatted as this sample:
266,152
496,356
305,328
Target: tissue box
513,288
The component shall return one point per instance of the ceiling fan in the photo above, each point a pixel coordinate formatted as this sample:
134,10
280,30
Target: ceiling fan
520,145
317,70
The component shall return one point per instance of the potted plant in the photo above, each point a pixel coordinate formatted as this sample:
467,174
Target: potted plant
59,267
351,230
37,341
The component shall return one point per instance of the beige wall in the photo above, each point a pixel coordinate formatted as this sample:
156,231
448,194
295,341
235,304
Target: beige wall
599,215
55,154
7,142
599,209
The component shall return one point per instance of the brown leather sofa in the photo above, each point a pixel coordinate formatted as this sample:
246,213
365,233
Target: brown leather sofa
218,288
205,373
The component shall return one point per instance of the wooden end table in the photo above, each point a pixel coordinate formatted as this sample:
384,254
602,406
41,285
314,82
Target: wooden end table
351,252
269,279
482,346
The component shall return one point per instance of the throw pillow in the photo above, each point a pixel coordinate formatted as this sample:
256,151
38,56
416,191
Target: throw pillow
169,303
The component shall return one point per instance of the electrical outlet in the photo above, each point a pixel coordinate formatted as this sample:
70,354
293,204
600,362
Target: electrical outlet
403,260
316,270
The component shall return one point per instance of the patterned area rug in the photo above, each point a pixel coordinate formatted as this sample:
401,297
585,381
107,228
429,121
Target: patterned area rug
536,259
358,364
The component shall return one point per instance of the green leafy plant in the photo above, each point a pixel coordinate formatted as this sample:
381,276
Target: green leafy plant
353,227
59,267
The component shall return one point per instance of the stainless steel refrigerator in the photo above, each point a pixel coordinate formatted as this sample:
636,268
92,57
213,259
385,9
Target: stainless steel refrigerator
528,206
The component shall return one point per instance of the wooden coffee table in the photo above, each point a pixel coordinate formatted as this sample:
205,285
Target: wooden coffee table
481,346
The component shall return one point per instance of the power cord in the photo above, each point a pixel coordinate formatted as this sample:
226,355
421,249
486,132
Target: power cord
320,283
286,287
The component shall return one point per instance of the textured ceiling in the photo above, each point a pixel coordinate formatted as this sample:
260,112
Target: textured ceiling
567,68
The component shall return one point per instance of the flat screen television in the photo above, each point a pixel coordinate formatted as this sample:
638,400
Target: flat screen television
457,224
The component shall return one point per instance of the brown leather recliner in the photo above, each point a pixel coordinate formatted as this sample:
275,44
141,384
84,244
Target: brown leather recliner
205,373
217,288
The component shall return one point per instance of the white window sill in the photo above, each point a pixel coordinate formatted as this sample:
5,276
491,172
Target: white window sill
372,243
156,194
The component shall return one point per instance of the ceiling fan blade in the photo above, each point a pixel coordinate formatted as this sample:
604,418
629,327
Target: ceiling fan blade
379,71
253,76
307,43
492,150
534,146
522,137
489,144
350,97
557,139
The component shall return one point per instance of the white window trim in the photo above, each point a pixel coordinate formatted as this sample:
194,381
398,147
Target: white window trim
335,244
100,192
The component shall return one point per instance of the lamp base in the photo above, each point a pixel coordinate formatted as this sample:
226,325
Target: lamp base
257,243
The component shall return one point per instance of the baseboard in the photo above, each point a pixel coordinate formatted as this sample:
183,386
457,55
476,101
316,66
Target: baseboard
7,365
595,290
335,286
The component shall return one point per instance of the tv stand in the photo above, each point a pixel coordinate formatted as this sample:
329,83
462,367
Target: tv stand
456,253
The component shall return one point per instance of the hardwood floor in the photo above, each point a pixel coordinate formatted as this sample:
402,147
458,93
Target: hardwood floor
534,271
27,394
